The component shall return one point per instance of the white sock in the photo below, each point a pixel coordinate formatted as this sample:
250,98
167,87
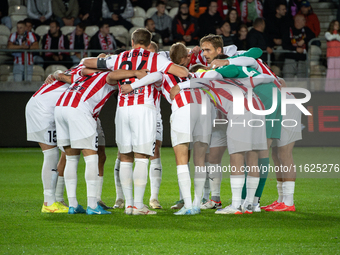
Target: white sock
70,175
140,179
252,183
100,181
215,179
199,181
155,175
59,191
206,190
256,200
125,175
49,174
279,191
236,184
119,190
288,192
184,184
91,177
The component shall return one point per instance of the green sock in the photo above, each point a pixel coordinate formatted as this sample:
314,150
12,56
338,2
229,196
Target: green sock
244,190
264,167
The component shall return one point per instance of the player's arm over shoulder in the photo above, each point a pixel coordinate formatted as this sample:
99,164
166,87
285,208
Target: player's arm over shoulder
166,66
179,71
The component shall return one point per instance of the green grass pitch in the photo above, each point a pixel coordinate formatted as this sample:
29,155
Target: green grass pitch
313,229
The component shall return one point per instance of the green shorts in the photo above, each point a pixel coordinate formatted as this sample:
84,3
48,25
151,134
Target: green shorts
265,93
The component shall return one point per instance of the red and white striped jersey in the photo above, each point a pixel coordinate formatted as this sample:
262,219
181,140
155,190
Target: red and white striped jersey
223,97
265,69
137,59
29,38
185,97
48,94
89,93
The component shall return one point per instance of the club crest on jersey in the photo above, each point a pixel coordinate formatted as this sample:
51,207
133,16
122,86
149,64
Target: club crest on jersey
77,89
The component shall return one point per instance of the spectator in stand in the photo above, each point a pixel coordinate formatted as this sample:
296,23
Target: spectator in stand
250,10
163,23
240,40
4,18
226,36
294,7
269,7
55,40
90,11
333,57
224,6
39,11
296,38
79,40
257,38
234,21
198,7
184,26
210,21
66,12
118,12
275,26
103,40
22,40
150,25
37,59
145,4
312,20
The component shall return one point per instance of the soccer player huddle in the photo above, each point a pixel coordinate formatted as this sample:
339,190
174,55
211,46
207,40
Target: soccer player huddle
202,85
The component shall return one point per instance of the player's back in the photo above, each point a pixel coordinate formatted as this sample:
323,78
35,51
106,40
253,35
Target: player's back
48,94
137,59
88,93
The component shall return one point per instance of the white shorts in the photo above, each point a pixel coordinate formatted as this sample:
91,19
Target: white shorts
188,124
289,134
242,137
136,129
76,128
219,132
159,127
101,135
40,124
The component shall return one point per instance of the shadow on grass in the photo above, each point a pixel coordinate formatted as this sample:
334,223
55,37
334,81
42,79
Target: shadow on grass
206,221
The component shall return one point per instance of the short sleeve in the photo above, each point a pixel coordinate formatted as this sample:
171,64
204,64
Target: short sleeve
111,61
163,64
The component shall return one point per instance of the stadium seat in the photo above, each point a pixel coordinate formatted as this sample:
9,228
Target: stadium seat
38,71
6,59
66,30
52,68
139,12
173,12
15,18
137,21
4,30
5,71
17,10
14,29
91,30
3,41
151,11
42,30
119,33
122,39
14,2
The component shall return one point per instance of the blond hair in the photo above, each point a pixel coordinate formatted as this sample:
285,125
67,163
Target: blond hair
215,40
178,51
